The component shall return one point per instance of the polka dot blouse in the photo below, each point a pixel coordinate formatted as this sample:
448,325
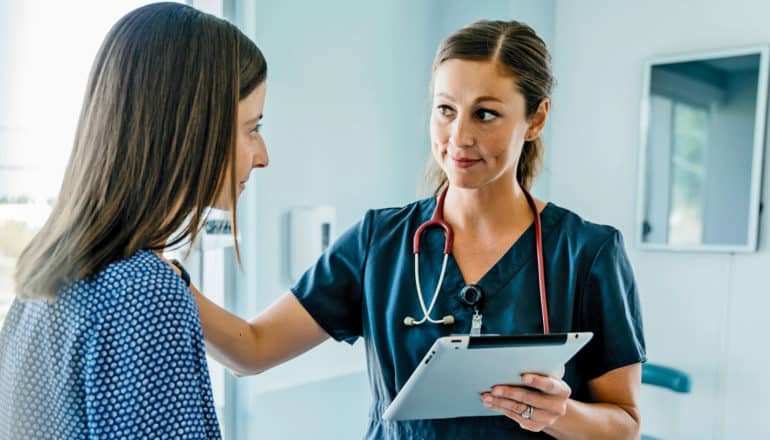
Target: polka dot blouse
118,356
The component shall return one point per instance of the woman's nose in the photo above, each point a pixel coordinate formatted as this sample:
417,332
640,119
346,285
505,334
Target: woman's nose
261,159
461,134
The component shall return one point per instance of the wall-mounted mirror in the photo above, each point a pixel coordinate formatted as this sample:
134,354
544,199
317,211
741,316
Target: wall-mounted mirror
703,131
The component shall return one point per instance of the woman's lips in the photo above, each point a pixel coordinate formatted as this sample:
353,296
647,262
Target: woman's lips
464,162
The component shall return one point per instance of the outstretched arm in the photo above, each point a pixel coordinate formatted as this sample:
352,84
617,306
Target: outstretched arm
283,331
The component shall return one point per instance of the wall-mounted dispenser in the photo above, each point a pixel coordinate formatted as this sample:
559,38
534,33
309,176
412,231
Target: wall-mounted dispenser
311,231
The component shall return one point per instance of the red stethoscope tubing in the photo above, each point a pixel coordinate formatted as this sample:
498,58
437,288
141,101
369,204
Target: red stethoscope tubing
437,220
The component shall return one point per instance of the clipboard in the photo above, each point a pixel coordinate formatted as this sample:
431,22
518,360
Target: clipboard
449,380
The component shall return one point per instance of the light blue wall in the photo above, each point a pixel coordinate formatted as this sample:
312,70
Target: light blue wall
334,409
346,124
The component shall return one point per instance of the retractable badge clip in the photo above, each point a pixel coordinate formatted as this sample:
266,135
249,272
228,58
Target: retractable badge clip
472,296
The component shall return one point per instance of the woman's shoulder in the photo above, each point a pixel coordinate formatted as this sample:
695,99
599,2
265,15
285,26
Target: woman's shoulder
579,232
401,215
139,282
393,222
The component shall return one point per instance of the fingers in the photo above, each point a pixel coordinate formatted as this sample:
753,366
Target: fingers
492,402
556,405
547,384
547,396
536,422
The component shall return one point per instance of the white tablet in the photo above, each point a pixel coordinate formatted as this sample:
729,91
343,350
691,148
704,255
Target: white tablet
457,369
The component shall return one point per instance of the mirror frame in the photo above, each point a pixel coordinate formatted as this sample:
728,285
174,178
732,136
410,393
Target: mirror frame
760,118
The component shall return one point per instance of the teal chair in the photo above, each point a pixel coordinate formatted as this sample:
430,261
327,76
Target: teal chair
665,377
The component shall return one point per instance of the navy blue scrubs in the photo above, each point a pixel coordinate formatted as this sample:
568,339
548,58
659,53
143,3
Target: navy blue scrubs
364,286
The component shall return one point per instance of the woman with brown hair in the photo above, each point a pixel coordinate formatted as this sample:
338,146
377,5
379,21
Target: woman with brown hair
490,88
104,339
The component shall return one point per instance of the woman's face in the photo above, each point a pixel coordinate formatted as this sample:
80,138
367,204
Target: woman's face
478,123
250,150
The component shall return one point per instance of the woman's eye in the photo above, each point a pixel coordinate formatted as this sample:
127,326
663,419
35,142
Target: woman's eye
486,115
257,129
444,110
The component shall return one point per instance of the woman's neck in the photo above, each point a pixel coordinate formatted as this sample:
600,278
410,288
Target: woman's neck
492,209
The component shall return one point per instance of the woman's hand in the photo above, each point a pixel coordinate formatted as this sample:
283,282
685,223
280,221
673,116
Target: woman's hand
547,396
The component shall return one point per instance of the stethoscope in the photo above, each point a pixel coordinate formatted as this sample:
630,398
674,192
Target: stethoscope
470,295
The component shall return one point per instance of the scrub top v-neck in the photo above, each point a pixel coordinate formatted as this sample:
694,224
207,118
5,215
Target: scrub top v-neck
364,286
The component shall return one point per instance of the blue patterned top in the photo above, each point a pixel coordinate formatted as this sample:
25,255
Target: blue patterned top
118,356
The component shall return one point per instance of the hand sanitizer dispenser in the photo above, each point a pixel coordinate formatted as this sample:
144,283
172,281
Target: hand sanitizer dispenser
311,231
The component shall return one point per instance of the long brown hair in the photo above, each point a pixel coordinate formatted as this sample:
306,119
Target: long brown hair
517,47
155,137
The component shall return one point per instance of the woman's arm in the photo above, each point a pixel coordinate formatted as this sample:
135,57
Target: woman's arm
284,330
613,414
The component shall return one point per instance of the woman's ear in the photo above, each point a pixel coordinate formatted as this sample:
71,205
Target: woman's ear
537,121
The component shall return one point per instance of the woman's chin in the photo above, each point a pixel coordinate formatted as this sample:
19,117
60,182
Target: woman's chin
223,203
464,181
